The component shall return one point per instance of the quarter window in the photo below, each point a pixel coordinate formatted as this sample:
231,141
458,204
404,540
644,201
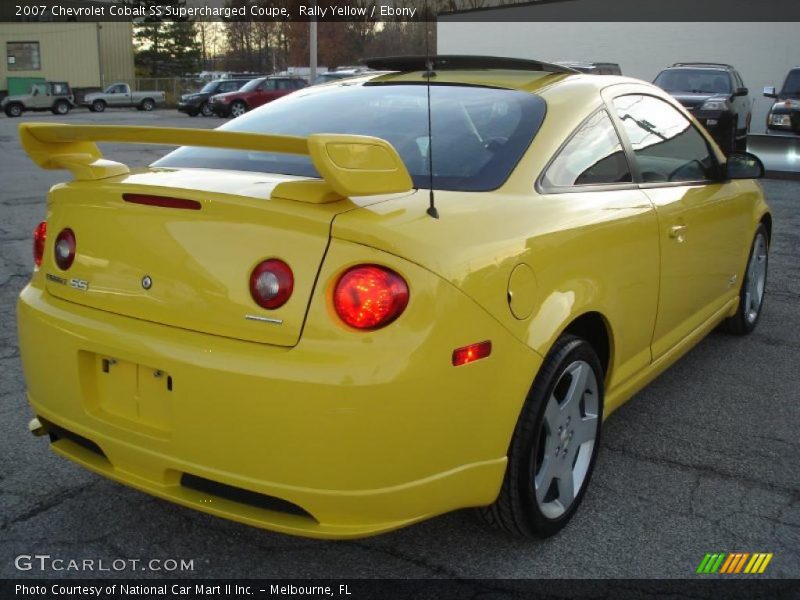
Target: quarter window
666,145
592,156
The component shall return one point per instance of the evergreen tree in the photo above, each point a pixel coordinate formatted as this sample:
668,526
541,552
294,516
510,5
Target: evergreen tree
182,47
164,49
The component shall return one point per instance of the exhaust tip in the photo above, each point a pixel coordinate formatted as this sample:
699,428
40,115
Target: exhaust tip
36,428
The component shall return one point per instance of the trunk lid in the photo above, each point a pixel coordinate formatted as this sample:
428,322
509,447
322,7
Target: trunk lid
199,261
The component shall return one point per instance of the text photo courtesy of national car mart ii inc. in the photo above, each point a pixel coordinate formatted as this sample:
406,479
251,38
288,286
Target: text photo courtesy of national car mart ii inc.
176,590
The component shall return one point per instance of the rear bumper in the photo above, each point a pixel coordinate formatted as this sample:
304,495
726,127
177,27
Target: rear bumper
360,444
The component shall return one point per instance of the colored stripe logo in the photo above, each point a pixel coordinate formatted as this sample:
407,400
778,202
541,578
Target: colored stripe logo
734,563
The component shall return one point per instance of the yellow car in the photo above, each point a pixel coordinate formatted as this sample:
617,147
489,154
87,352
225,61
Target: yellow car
326,319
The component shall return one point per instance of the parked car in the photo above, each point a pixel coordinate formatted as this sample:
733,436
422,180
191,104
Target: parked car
594,68
55,96
309,332
784,116
716,95
255,93
197,103
120,95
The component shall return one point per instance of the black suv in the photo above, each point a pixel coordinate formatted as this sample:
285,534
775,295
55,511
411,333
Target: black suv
717,97
784,116
197,103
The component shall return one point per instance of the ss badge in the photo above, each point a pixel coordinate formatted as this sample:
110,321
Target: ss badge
79,284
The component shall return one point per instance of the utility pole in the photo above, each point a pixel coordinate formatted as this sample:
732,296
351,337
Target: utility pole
312,45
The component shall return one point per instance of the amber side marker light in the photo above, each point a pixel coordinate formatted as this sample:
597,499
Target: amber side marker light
471,353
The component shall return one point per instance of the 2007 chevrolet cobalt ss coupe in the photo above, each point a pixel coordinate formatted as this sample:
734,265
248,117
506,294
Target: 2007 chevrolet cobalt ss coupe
271,324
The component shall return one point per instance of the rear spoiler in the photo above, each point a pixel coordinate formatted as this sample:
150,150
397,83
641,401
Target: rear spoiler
350,165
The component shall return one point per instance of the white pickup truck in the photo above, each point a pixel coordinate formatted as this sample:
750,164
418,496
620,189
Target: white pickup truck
120,94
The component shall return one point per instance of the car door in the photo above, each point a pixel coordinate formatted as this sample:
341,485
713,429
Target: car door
702,219
120,95
39,97
266,93
614,224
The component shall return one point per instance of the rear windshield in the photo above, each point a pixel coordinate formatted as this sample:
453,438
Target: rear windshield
698,81
479,134
791,86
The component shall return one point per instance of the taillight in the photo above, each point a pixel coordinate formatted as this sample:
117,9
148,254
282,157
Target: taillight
64,249
370,297
39,237
271,283
471,353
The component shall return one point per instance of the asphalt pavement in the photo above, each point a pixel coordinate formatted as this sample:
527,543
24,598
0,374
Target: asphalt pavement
705,459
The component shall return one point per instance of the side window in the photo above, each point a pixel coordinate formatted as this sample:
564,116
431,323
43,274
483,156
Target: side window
267,86
592,156
228,86
666,145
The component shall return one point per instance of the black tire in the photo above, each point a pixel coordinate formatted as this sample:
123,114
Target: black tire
728,144
205,110
147,105
14,110
516,510
98,106
238,108
60,108
746,317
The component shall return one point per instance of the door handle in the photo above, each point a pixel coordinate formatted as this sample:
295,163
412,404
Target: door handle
677,231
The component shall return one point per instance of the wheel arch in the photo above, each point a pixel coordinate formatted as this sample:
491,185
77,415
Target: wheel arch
766,220
593,327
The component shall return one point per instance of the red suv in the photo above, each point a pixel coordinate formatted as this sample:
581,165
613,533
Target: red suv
254,93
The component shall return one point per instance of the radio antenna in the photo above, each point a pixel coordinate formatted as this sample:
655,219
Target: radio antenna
429,72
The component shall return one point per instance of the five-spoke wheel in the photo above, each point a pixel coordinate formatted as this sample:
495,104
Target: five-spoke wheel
555,443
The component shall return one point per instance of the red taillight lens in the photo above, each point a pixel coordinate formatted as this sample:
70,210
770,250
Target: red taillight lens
39,238
471,353
369,296
64,249
271,283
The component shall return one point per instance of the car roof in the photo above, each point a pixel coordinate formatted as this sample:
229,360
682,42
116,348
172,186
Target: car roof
702,65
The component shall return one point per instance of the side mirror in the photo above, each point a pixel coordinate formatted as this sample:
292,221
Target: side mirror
742,91
743,165
770,92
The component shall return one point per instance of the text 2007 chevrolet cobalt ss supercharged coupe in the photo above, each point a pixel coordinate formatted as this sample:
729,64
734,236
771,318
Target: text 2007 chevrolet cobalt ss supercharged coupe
270,324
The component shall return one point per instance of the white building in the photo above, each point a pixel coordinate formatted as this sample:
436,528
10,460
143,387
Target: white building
762,52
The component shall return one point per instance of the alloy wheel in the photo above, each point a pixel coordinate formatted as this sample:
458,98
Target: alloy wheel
566,442
756,278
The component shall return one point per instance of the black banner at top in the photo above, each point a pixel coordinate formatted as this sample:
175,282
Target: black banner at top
401,10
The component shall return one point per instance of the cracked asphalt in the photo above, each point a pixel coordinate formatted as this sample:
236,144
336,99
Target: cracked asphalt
705,459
